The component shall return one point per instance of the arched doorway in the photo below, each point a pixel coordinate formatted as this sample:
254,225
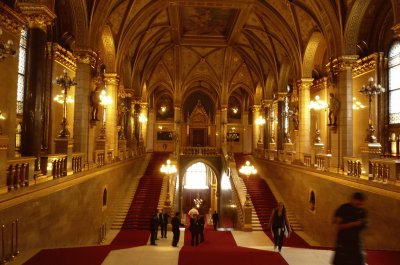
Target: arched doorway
199,185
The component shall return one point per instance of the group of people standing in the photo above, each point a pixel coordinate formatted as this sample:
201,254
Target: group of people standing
160,220
196,227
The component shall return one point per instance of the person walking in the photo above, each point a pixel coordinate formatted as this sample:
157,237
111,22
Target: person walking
215,218
194,230
153,229
176,223
279,224
351,220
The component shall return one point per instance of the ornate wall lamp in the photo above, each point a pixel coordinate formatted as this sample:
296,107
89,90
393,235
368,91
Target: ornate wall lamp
370,90
6,48
65,82
317,105
105,100
168,169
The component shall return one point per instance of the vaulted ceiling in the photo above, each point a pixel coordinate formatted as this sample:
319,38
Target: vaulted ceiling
178,45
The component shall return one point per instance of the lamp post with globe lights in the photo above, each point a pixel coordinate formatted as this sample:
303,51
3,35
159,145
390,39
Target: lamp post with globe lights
168,169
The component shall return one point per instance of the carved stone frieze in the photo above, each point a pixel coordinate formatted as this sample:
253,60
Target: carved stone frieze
125,93
319,84
366,64
86,56
111,79
63,56
10,20
341,63
37,15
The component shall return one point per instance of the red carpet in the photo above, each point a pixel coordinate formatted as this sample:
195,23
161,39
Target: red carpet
220,248
143,206
264,202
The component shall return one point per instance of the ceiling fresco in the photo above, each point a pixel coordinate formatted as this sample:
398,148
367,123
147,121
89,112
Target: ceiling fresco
199,21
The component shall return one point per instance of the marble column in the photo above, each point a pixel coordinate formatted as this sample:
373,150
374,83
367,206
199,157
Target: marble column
345,95
224,128
32,136
304,113
177,124
82,133
281,119
143,125
112,82
257,141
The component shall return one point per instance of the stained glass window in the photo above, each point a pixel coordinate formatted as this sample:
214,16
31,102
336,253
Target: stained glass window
21,70
394,83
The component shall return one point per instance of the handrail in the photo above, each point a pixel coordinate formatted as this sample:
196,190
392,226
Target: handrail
200,151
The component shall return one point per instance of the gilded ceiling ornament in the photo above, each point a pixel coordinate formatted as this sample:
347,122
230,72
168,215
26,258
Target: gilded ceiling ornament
37,15
62,56
10,20
367,64
86,56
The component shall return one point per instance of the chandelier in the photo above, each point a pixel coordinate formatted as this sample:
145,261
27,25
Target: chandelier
198,201
6,48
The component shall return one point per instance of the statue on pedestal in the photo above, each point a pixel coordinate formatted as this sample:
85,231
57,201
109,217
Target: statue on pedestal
334,105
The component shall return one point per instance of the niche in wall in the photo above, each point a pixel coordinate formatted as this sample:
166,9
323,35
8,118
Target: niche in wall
312,201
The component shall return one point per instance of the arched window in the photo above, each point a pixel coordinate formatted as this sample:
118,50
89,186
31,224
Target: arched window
394,83
21,70
196,177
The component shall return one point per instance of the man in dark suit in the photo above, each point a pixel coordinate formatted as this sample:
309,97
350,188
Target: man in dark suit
194,230
215,218
200,221
163,221
153,229
176,223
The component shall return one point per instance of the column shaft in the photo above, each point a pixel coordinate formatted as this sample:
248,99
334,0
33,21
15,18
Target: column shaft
304,113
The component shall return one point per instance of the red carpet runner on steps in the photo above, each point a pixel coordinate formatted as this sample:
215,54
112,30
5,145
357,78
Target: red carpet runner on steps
135,230
264,201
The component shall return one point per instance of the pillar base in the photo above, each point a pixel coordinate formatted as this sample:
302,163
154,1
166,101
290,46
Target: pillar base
318,149
247,225
65,146
369,151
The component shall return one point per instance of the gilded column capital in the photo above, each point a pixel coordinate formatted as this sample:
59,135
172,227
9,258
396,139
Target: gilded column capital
305,83
111,78
125,93
10,20
282,96
396,30
144,106
86,56
37,15
366,64
341,63
62,56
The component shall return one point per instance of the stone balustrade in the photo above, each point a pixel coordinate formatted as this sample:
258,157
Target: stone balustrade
199,151
385,170
57,165
19,172
323,161
307,160
352,166
77,162
99,158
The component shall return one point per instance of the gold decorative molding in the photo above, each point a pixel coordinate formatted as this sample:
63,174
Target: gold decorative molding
305,83
111,79
366,64
10,20
125,93
319,84
86,56
63,56
37,15
341,63
282,96
396,30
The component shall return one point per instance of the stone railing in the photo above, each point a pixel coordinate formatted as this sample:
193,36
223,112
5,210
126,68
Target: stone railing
77,162
307,160
19,172
202,151
57,165
384,170
99,158
352,166
323,161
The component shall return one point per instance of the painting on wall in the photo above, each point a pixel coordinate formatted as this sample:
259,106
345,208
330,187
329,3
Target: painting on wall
200,21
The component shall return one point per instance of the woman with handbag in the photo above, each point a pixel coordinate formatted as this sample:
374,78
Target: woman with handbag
280,225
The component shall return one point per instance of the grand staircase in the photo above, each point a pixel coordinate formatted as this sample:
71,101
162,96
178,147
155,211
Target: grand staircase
263,200
146,199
